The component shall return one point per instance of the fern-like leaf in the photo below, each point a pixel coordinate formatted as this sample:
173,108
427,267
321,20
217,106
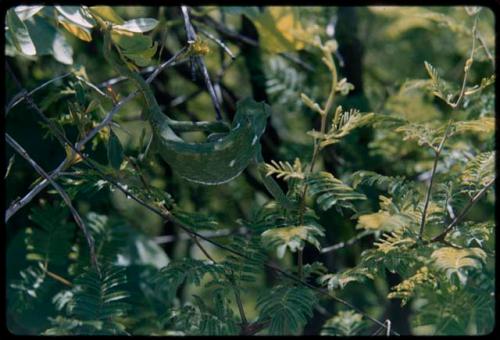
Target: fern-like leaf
51,242
285,170
478,172
345,323
287,308
293,238
406,289
331,191
100,297
340,280
342,124
195,220
438,88
186,270
455,261
392,185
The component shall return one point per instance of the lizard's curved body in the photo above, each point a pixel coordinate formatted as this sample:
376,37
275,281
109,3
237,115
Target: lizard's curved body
219,159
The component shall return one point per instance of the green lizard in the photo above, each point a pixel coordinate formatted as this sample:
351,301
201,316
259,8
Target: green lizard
223,156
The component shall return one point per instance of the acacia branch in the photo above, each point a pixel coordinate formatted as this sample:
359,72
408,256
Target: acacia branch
20,203
191,35
429,189
464,211
347,243
19,149
23,94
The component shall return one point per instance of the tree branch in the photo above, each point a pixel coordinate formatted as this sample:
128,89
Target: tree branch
429,189
191,35
17,205
347,243
19,149
464,212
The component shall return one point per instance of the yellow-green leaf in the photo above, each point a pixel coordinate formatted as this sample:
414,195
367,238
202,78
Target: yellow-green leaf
452,260
280,30
135,43
143,58
80,32
107,13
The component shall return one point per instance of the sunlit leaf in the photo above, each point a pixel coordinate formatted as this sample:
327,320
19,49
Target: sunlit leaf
26,12
80,32
141,25
20,34
76,15
106,13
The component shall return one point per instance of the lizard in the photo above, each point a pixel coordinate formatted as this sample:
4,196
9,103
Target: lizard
223,156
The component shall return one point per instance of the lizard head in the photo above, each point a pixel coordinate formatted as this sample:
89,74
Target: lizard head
250,112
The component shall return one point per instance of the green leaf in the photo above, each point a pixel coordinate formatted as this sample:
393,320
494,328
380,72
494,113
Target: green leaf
143,58
453,260
107,13
250,11
186,270
293,238
345,323
288,308
100,297
51,241
76,15
135,43
330,191
140,25
48,40
342,279
115,151
80,32
280,29
26,12
20,34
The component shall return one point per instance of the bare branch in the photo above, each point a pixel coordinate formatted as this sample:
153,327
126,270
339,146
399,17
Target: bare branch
22,94
429,189
191,35
19,149
464,211
347,243
18,204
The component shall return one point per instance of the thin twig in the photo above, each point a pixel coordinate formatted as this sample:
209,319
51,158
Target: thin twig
59,278
347,243
209,234
218,42
191,35
22,95
464,211
388,328
19,149
486,49
429,189
468,65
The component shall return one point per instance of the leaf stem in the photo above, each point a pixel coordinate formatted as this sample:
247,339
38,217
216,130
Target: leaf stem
464,212
429,189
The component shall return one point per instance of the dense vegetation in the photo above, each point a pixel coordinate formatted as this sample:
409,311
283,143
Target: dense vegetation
250,170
